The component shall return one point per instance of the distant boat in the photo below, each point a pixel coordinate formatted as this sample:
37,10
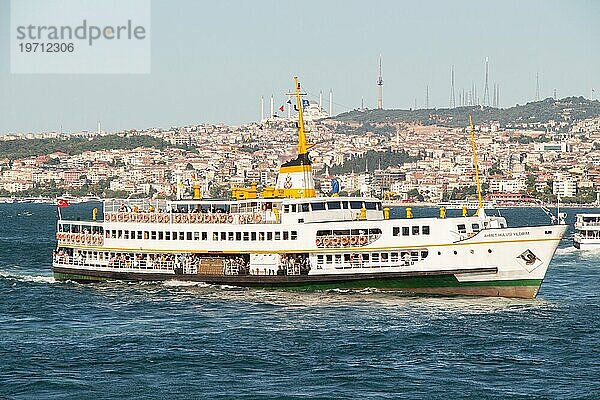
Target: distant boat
469,204
587,231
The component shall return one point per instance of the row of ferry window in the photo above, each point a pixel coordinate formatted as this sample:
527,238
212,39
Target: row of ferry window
411,230
216,236
404,257
331,205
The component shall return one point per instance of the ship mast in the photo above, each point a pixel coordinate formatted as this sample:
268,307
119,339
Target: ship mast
303,146
477,182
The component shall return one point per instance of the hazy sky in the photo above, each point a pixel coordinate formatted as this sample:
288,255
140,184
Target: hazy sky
212,60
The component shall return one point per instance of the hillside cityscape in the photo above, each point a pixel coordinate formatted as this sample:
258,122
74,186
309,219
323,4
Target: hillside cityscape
529,153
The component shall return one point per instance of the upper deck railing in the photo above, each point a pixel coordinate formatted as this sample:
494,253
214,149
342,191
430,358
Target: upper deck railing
262,217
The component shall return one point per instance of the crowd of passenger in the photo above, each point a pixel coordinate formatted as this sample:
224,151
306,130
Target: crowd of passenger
296,264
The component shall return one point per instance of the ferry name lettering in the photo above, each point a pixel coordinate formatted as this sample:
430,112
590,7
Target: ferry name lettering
506,234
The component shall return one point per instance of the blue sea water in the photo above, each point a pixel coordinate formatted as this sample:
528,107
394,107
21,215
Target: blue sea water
182,341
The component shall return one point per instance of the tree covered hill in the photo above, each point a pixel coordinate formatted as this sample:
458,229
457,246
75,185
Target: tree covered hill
569,108
16,149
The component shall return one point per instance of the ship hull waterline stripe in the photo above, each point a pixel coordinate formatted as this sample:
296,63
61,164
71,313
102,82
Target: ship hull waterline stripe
318,250
437,283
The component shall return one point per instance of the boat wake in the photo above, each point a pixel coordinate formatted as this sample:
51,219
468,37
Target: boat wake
27,278
578,253
567,251
174,283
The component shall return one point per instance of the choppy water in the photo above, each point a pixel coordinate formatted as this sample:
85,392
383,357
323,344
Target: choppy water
181,341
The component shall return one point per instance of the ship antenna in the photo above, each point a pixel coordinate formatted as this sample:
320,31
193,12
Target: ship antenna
475,166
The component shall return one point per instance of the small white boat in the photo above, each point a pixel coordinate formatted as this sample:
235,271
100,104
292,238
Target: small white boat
469,204
587,231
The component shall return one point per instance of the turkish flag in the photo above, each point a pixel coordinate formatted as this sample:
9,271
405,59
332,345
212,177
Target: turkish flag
281,108
62,203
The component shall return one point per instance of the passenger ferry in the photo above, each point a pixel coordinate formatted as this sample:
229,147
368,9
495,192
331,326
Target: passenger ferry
286,238
587,231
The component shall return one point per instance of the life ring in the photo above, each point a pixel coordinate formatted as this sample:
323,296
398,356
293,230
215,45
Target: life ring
125,217
241,218
94,240
88,239
326,241
100,240
145,218
77,239
177,218
318,242
344,240
222,218
214,219
258,218
230,218
120,217
362,240
192,218
353,240
335,241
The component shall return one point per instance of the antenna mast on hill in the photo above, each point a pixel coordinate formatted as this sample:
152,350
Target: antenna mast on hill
427,96
452,98
537,86
380,87
486,91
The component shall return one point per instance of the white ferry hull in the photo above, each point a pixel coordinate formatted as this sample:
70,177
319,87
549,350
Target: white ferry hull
508,262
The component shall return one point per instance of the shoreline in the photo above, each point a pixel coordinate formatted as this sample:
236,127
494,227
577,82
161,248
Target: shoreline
46,200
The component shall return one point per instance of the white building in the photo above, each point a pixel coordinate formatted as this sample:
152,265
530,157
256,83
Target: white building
564,186
507,185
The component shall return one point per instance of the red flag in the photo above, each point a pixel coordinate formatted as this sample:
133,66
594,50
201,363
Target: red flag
62,203
281,108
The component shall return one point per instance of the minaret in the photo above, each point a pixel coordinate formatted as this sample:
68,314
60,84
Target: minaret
427,96
262,108
330,102
380,87
272,108
289,104
320,100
